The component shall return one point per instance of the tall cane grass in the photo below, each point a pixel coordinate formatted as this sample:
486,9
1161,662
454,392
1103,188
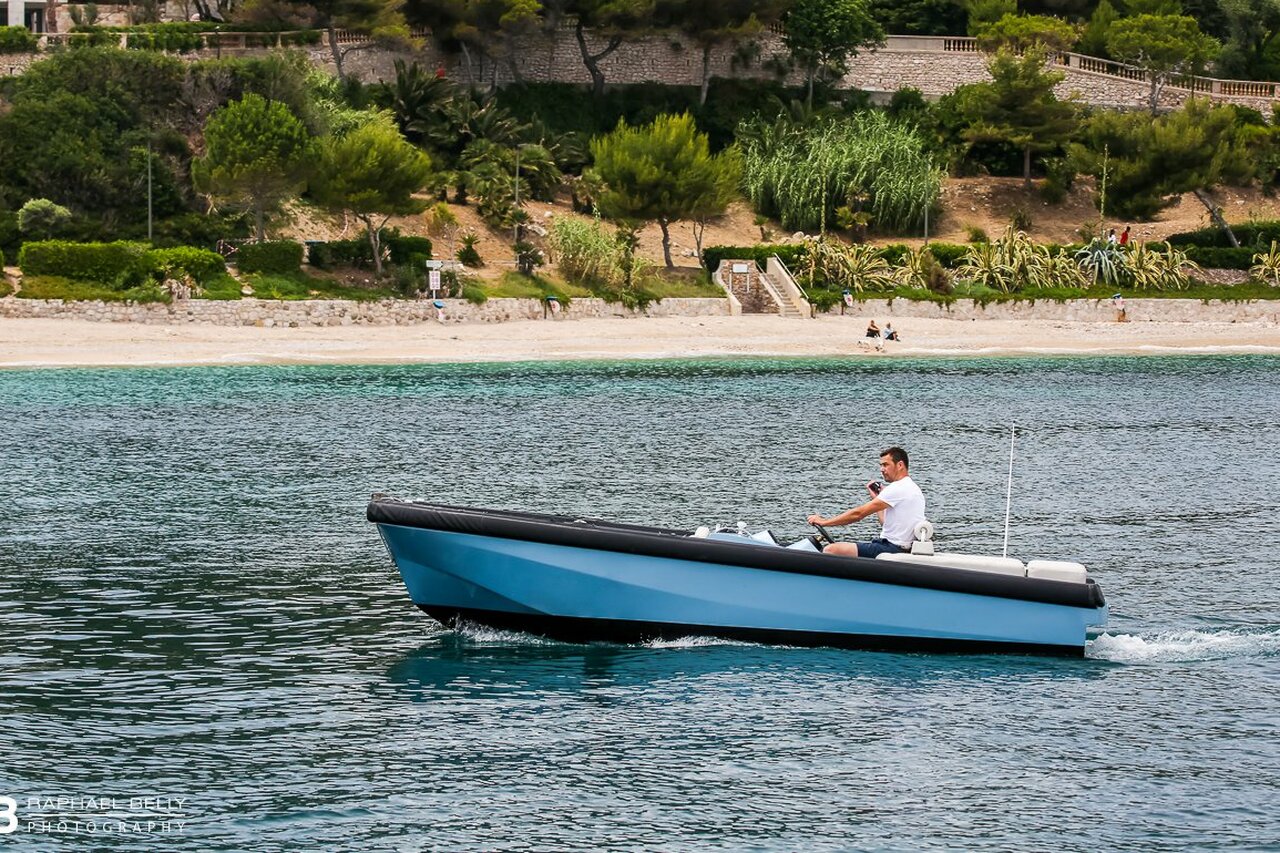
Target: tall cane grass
867,163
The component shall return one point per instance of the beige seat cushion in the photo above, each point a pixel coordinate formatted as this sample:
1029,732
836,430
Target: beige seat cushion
972,562
1057,570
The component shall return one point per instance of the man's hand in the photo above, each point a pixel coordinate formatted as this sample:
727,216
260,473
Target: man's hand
817,519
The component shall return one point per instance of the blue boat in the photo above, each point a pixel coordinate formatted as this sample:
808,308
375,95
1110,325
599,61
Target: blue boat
584,580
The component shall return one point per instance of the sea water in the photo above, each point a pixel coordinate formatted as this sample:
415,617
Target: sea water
202,639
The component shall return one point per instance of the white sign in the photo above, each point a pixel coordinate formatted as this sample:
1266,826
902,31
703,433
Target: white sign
739,267
433,279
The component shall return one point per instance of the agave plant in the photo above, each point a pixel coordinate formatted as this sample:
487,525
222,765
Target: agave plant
1267,266
920,269
1102,262
984,266
1152,270
865,269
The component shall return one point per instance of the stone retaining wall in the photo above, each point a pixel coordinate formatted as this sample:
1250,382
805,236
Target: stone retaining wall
1080,310
332,312
260,312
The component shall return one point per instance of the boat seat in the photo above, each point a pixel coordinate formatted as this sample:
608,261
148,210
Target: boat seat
972,562
1057,570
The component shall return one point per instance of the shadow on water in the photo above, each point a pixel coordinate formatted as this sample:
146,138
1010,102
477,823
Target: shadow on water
481,663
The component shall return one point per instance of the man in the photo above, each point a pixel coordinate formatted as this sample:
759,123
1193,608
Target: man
900,505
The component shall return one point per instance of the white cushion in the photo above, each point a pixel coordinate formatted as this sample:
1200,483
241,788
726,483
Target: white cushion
1057,570
972,562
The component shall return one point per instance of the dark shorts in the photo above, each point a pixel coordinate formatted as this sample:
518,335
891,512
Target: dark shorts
878,546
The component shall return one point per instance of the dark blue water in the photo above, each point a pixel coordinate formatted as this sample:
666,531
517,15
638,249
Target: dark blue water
193,609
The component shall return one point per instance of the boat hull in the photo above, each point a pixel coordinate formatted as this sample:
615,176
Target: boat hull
587,594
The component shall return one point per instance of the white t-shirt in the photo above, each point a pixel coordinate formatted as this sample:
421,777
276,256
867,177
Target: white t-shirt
906,510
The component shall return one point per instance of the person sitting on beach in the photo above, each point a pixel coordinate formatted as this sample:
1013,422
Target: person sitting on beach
900,505
873,331
889,333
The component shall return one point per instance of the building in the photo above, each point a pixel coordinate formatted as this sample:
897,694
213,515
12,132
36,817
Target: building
17,13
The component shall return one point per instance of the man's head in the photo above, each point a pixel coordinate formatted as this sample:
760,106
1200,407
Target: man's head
893,464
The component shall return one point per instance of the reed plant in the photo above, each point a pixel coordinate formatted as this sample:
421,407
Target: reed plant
1266,266
867,163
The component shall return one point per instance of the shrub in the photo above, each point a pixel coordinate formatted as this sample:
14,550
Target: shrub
274,257
1,260
976,234
474,294
406,249
1219,258
948,254
201,265
17,40
790,254
895,253
1021,219
1258,234
43,218
468,254
116,264
331,254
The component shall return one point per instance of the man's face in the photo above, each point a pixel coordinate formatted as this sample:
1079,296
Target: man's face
891,470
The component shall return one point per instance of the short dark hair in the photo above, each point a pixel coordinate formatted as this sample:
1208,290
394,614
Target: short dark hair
897,454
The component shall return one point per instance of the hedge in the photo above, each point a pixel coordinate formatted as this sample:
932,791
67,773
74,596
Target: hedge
1221,259
17,40
1259,233
402,249
116,264
200,264
948,254
789,253
277,257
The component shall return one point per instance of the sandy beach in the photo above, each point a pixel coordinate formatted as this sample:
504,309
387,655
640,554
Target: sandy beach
76,343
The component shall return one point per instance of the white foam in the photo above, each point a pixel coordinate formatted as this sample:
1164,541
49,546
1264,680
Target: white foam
692,643
1183,646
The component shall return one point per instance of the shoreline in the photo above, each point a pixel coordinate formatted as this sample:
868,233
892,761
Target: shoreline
58,343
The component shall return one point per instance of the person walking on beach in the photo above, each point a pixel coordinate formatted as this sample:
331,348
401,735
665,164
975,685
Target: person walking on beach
900,505
1111,237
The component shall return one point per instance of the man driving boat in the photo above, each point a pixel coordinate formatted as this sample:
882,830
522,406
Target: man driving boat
899,503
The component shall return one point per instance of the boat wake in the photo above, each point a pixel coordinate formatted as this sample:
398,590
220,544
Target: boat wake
1184,646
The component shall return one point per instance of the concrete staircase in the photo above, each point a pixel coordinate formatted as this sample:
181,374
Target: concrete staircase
755,291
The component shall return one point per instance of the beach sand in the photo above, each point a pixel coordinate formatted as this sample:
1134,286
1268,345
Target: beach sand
77,343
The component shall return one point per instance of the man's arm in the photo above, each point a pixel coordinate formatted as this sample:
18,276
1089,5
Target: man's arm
851,515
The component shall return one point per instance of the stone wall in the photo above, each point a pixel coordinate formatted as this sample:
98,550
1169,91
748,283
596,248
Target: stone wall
261,312
935,65
326,312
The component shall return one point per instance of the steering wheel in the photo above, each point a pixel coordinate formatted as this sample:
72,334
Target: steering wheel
822,531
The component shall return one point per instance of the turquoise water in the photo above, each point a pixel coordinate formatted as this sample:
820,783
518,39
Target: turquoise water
192,606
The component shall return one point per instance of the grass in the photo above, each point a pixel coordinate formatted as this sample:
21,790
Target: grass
668,284
56,287
515,285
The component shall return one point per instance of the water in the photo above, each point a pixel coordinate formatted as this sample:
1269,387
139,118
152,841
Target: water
192,606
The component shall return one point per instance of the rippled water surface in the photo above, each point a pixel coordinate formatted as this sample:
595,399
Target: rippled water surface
192,606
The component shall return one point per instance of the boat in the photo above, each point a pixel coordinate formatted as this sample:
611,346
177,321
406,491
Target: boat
579,579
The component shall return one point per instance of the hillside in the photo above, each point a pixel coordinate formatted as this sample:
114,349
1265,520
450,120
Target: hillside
986,203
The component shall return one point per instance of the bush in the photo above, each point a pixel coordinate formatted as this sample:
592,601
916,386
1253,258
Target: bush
17,40
474,294
468,254
332,254
1258,234
948,254
276,257
1,260
895,253
405,249
201,265
115,264
1216,258
976,234
790,254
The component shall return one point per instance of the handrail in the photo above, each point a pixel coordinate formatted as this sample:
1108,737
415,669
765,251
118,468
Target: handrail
791,279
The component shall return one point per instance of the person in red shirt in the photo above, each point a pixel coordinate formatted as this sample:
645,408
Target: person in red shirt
1124,236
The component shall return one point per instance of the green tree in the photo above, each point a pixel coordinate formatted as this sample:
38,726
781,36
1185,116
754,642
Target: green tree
822,35
1252,27
1019,107
613,20
661,172
1151,161
1094,39
919,17
257,157
43,218
984,13
372,173
1163,46
495,28
715,24
1017,33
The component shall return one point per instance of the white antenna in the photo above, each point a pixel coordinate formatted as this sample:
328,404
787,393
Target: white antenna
1008,494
